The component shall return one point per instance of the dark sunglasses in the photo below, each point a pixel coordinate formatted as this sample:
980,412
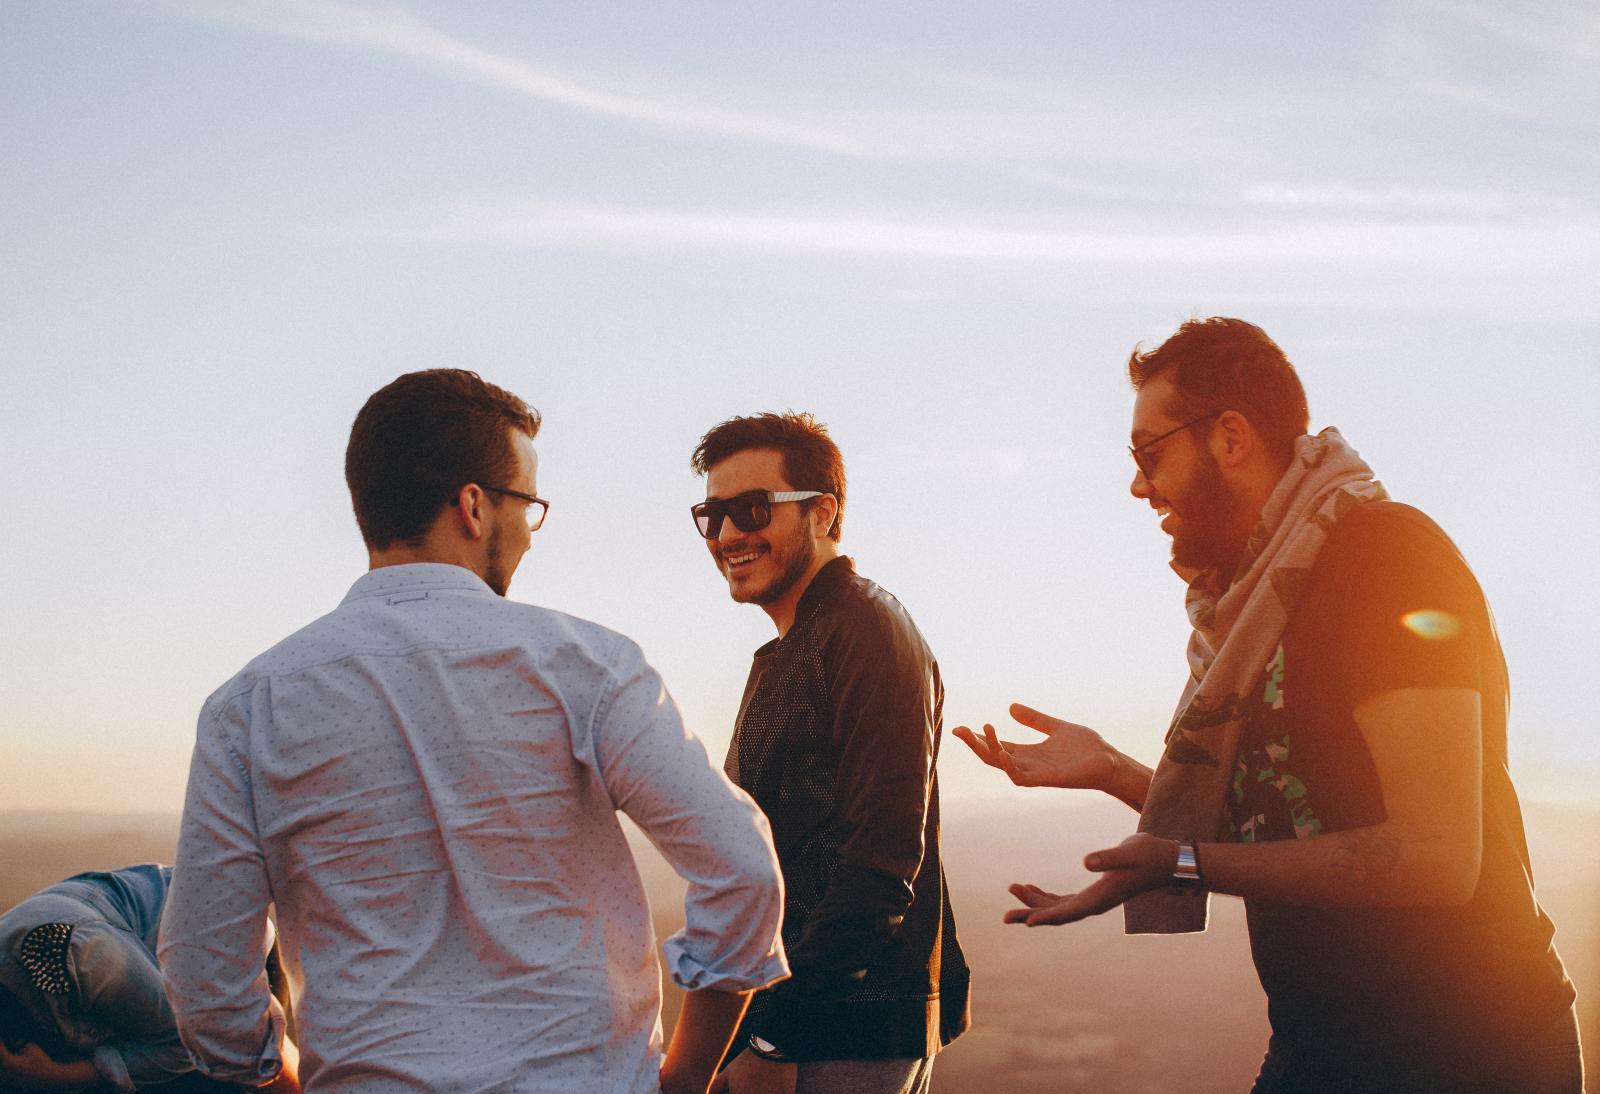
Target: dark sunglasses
750,511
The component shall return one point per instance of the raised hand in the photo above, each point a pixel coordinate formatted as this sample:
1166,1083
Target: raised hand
1138,864
1070,755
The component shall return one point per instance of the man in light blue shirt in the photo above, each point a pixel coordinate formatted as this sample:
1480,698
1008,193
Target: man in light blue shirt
425,783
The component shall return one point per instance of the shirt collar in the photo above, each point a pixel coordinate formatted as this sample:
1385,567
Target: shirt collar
388,580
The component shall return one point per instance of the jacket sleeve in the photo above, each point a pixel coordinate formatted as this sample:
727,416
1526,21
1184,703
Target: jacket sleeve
214,932
709,830
118,988
886,697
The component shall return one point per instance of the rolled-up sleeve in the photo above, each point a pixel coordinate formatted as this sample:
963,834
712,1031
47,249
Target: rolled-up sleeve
214,931
709,830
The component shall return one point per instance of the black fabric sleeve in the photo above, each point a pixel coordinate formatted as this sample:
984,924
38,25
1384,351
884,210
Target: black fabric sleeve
884,689
1396,606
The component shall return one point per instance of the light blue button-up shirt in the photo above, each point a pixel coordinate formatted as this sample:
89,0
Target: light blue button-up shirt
426,783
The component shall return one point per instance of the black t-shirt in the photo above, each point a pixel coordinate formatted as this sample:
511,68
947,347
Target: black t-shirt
1432,991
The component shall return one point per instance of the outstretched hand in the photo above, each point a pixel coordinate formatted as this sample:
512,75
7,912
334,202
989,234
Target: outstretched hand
1070,755
1136,865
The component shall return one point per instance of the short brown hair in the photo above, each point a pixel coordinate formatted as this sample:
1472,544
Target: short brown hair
1220,364
811,461
420,439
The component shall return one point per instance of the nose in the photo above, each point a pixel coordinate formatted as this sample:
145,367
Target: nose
1140,486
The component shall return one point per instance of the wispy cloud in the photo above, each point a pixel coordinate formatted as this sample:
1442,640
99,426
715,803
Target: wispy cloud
1547,266
405,35
558,223
1402,200
948,116
1531,63
1569,31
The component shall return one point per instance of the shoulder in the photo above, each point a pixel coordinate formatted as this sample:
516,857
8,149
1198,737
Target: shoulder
573,648
1390,602
1374,533
871,620
1392,554
546,628
866,603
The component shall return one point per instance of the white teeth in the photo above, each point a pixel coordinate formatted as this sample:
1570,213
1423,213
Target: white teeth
740,560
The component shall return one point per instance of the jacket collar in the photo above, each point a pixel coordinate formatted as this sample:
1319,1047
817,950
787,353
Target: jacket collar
827,582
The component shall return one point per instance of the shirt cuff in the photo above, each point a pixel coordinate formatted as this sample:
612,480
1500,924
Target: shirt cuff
692,975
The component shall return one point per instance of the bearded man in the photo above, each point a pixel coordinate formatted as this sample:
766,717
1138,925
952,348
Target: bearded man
1338,755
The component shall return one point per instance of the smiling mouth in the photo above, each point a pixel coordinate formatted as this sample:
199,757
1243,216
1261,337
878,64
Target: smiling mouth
740,558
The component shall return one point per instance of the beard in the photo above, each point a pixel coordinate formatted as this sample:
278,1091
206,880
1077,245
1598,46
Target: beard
496,572
1206,538
792,560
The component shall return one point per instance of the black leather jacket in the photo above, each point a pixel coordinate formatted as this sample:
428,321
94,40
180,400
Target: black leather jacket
836,740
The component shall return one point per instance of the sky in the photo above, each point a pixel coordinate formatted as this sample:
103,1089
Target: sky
940,227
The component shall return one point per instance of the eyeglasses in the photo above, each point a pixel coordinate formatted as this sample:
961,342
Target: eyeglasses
1148,469
750,511
537,507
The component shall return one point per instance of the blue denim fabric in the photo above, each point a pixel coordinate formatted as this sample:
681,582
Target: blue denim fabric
117,1013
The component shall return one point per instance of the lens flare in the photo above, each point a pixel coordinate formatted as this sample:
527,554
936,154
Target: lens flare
1431,624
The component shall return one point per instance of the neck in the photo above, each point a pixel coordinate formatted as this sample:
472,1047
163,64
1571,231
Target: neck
449,554
781,611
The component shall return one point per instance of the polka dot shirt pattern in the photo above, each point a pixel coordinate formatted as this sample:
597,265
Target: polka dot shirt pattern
426,783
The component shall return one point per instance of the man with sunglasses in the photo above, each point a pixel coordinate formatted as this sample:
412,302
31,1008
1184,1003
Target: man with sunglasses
836,739
1337,759
426,783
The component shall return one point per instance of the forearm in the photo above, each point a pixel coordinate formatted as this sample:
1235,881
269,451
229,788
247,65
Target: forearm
1376,866
700,1039
1130,780
35,1071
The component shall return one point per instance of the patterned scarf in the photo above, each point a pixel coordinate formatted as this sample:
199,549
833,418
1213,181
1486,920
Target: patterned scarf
1238,626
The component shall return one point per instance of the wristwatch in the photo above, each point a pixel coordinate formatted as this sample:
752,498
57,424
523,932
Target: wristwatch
1186,874
767,1050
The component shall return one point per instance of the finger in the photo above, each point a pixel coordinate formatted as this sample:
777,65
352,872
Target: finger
1063,909
1035,719
974,742
1032,895
1001,751
1106,893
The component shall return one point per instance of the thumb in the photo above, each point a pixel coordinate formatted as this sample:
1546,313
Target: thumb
1034,719
1120,857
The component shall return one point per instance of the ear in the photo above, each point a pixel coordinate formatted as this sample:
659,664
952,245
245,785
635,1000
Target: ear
823,512
468,506
1233,439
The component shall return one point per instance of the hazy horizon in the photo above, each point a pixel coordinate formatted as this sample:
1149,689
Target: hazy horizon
1078,1007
